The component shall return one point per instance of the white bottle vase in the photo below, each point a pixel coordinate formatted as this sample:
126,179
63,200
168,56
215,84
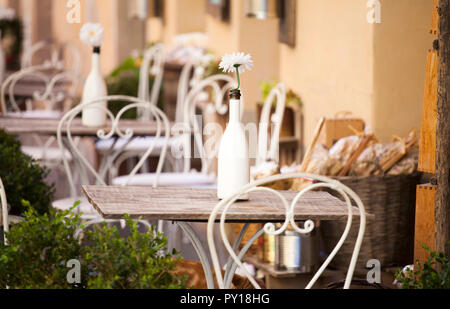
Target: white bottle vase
233,160
94,88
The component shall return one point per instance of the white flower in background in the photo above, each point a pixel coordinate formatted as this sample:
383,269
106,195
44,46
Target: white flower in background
240,60
92,34
196,39
7,14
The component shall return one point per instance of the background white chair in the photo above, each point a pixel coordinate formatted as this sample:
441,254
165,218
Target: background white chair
218,86
268,147
152,64
235,258
64,55
269,129
85,168
54,90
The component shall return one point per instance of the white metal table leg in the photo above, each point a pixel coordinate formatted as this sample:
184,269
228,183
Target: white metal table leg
236,245
200,250
230,273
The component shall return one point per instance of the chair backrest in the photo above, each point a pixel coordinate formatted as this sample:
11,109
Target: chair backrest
2,63
53,53
152,64
323,182
66,139
191,74
213,89
48,83
271,152
184,84
4,213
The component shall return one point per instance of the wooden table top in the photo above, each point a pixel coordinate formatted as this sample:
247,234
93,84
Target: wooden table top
195,205
49,126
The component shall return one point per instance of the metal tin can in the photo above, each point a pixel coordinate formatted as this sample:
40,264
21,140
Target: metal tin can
269,249
297,253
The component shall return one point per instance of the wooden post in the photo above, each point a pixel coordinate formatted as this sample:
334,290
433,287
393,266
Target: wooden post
442,208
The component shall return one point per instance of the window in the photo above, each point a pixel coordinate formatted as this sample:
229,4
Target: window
288,16
220,9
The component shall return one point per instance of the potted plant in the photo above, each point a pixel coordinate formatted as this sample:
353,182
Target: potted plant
124,80
293,103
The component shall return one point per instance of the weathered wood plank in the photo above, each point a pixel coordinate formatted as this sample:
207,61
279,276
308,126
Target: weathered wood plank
49,126
187,204
427,153
434,27
424,230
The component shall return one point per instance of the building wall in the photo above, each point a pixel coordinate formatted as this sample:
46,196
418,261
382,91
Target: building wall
331,66
343,63
400,53
257,37
179,17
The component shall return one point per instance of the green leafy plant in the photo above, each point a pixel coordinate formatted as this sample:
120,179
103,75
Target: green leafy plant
23,178
433,274
134,262
124,80
39,248
212,68
291,97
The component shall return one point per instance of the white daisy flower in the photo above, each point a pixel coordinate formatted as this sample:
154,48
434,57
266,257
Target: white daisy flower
92,34
229,63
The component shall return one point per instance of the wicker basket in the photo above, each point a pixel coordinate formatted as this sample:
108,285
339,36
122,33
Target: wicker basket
389,237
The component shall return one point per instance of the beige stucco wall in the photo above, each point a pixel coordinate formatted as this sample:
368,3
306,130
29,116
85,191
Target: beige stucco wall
179,17
331,67
63,31
122,33
257,37
341,62
400,49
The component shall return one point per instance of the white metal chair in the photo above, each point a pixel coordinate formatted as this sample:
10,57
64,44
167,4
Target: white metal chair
270,152
54,53
138,145
6,219
51,89
2,63
85,168
269,130
235,258
219,85
152,64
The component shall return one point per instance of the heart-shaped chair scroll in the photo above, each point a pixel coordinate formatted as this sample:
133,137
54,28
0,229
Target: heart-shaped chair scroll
322,182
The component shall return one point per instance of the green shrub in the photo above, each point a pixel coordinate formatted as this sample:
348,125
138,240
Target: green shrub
135,262
40,247
433,274
38,250
291,97
23,178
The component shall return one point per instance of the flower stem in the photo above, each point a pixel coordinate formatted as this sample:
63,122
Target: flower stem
237,74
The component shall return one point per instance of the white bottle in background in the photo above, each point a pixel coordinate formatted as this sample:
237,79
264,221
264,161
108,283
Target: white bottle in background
94,88
233,160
